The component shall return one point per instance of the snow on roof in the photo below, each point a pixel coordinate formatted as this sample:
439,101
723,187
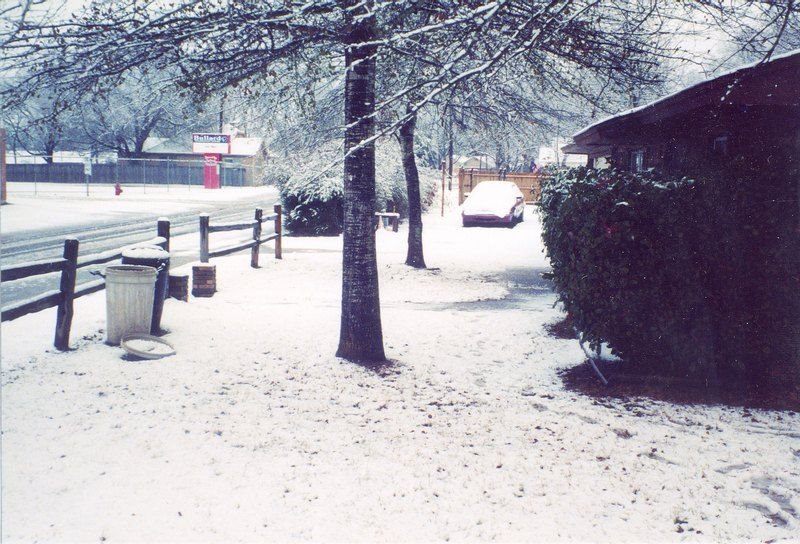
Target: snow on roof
482,159
696,86
156,144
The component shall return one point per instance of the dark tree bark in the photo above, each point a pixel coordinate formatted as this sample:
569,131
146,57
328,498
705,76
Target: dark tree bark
361,335
450,150
415,256
49,147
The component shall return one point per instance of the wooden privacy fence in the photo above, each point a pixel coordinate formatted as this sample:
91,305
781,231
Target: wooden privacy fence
63,297
206,229
530,183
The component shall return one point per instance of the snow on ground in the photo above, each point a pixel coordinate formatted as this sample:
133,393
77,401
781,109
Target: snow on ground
53,205
255,432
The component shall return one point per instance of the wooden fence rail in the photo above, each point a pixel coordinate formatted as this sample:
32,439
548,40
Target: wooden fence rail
206,228
65,295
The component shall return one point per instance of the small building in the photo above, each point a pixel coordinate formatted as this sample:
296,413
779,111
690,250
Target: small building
478,162
247,158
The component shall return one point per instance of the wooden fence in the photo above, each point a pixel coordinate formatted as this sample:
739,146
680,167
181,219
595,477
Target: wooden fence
529,183
67,292
206,229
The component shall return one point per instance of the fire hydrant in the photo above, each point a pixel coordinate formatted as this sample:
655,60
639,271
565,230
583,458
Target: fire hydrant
117,189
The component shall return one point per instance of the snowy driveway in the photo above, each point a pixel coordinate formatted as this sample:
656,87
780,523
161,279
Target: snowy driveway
255,432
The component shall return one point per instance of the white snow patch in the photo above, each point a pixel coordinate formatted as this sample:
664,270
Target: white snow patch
255,432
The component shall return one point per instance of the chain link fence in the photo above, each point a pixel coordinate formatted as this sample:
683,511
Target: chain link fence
132,173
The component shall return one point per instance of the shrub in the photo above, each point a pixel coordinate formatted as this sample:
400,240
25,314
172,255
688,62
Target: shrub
624,260
311,191
311,187
679,277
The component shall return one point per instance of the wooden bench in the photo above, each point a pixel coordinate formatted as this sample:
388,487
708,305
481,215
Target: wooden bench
394,219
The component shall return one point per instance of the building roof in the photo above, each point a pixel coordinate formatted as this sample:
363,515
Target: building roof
154,144
462,160
774,82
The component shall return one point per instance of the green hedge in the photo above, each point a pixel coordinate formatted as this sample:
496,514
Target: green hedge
674,275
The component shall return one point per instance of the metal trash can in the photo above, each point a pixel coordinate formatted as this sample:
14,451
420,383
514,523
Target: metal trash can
154,256
129,300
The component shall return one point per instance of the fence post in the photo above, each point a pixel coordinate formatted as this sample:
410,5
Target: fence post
162,230
65,307
3,170
204,237
278,249
444,173
256,238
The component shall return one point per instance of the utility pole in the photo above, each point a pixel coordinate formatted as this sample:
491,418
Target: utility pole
221,111
2,166
450,151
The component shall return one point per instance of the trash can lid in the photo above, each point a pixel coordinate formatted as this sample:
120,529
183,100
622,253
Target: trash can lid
145,252
146,346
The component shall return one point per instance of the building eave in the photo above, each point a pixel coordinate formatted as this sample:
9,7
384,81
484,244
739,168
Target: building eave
743,86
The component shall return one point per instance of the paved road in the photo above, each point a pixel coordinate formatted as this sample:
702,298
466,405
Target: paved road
103,235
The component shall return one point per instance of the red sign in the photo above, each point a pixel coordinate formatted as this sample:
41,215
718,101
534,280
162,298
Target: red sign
211,171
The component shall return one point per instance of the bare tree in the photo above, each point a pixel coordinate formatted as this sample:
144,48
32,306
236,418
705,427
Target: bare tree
122,118
361,336
406,135
39,126
761,28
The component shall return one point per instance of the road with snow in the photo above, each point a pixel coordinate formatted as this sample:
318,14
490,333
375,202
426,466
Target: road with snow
31,230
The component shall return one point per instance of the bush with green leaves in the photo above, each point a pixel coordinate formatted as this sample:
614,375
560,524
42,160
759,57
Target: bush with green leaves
311,187
678,277
622,248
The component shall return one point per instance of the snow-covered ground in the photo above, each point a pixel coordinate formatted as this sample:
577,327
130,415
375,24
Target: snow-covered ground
255,432
55,205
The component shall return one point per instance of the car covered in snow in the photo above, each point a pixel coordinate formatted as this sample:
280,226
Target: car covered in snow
494,202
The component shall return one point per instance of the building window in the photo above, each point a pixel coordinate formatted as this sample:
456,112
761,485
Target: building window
637,160
601,163
720,146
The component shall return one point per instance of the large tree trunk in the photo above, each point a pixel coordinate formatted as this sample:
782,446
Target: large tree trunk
414,257
361,336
